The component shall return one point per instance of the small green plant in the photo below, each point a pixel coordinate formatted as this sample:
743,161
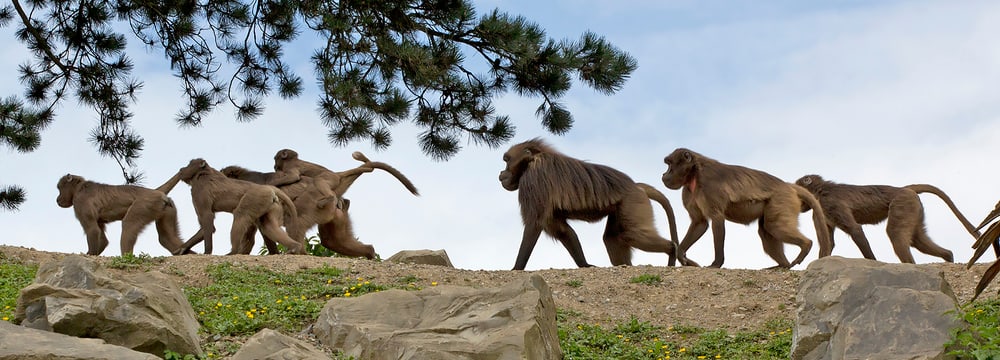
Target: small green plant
574,283
981,338
242,300
173,355
13,278
131,262
647,279
634,339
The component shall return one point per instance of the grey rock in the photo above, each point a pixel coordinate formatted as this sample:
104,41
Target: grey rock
268,344
516,321
22,343
425,257
146,311
864,309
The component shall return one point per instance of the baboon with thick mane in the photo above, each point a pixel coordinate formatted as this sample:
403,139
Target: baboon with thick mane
96,205
316,204
849,206
714,192
253,206
553,188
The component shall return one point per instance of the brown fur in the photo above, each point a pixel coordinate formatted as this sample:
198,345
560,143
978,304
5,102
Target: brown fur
315,204
96,205
289,168
252,205
553,188
715,192
849,206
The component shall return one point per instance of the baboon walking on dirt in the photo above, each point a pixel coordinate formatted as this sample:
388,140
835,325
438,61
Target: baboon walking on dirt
553,188
315,204
96,205
714,192
849,206
252,205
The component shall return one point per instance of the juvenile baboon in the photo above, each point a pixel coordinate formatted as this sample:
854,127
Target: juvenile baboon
553,188
289,168
252,205
715,192
316,204
849,206
96,205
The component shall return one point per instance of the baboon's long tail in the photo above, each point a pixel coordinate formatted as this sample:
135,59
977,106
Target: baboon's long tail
357,155
170,184
658,196
819,221
925,188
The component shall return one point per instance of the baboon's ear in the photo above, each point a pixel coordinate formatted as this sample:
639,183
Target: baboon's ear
807,180
688,157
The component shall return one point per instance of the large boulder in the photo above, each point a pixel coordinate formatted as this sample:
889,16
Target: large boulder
516,321
22,343
864,309
268,344
145,311
425,257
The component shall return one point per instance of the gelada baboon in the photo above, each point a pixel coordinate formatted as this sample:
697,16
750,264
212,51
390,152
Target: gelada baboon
97,204
252,205
316,204
553,188
849,206
288,168
715,192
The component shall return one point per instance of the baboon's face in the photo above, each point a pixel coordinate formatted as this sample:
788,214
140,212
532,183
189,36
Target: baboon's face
517,160
283,156
680,165
809,181
67,188
188,172
232,171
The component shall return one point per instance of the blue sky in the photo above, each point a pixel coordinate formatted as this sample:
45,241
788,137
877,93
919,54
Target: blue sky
887,92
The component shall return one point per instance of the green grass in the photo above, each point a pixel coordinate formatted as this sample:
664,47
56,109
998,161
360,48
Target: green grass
647,279
13,278
133,262
981,339
574,283
640,340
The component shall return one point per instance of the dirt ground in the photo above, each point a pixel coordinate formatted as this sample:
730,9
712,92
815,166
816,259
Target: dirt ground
731,299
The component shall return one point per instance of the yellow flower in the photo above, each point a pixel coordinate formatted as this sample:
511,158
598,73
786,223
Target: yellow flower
236,297
434,283
682,350
701,356
772,333
359,279
201,313
288,308
286,297
6,318
718,356
249,315
347,294
277,281
327,296
328,282
278,302
303,297
6,307
218,304
619,336
366,283
253,310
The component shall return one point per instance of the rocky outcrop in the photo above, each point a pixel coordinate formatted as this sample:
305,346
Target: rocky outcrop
864,309
146,311
516,321
425,257
19,342
268,344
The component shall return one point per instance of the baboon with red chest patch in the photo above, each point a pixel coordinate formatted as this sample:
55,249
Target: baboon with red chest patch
553,188
714,192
